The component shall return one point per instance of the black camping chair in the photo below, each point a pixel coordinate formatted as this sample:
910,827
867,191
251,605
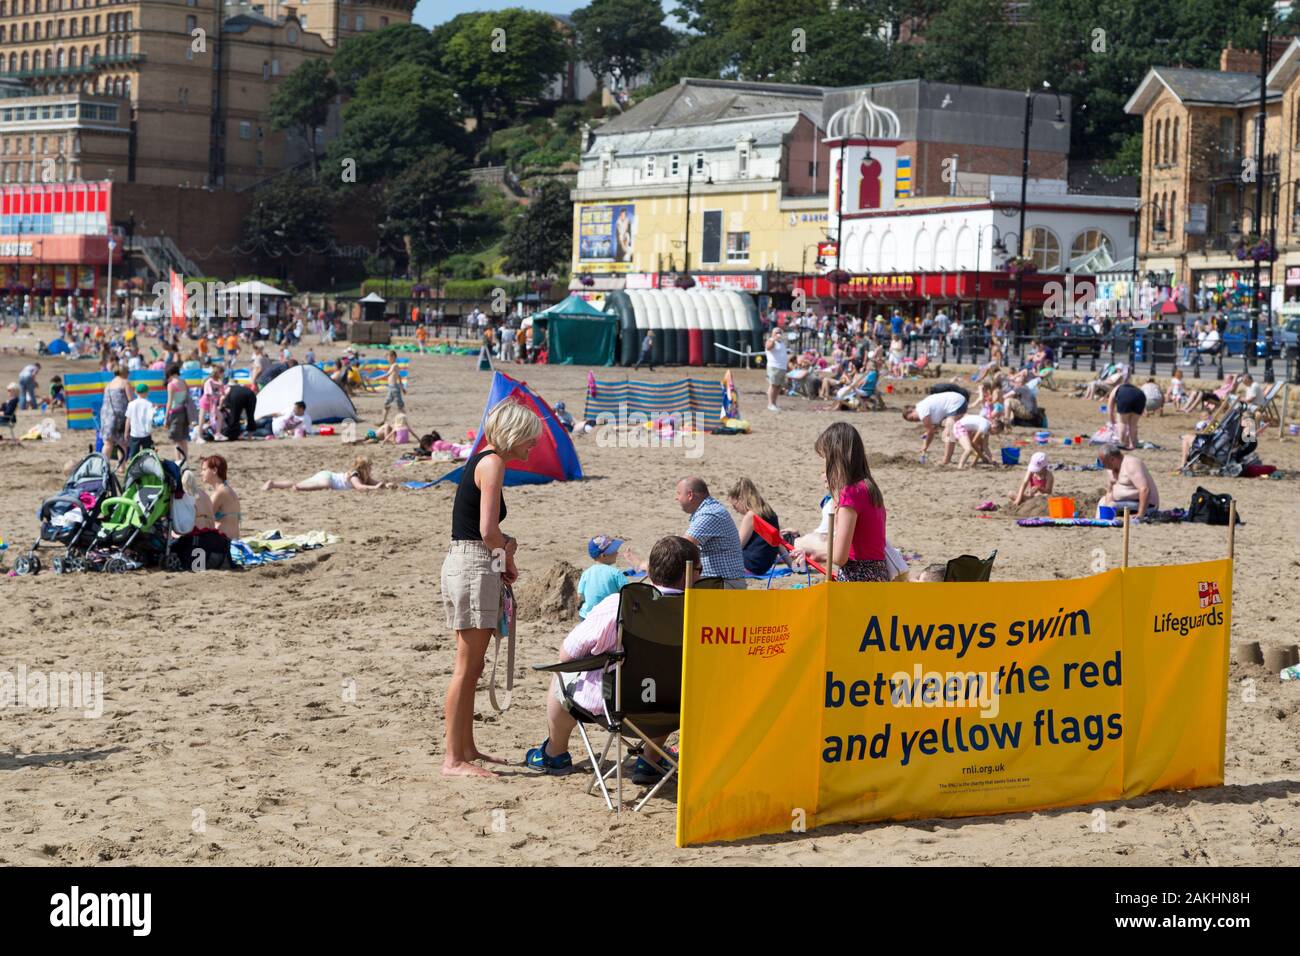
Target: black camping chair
648,658
969,568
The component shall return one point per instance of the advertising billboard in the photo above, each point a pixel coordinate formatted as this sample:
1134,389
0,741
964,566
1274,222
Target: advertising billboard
607,233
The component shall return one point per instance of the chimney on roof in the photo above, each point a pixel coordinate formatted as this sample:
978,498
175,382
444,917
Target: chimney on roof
1232,60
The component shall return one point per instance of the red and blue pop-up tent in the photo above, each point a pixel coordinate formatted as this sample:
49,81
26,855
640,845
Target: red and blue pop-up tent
553,458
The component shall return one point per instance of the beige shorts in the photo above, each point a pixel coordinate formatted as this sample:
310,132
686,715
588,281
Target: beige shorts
471,590
776,376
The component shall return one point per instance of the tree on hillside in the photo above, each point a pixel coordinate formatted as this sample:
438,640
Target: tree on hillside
288,216
396,117
302,103
495,60
540,238
621,38
401,43
421,203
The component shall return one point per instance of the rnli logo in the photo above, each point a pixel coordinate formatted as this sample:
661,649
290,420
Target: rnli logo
763,640
1208,592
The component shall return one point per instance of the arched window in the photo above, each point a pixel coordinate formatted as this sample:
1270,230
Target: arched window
1173,214
85,55
126,87
59,58
922,249
1155,143
1044,248
1088,242
24,62
1177,122
49,59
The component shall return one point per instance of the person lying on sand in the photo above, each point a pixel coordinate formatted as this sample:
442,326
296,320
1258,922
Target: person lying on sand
358,479
598,634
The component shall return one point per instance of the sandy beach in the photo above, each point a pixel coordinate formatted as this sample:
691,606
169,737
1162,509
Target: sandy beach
229,734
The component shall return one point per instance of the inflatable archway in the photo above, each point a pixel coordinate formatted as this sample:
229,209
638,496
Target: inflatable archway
688,324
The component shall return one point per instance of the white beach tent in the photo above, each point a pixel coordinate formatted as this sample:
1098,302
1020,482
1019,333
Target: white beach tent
326,402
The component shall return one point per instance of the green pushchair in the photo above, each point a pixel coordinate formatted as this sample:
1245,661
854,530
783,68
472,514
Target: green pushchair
135,527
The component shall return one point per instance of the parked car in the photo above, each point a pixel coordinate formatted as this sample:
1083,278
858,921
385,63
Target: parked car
1078,338
1237,335
1290,334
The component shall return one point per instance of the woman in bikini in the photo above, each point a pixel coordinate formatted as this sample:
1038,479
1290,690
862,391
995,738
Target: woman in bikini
225,503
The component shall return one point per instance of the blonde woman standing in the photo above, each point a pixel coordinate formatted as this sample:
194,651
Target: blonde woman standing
480,560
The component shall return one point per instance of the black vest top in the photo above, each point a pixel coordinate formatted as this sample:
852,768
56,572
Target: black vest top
465,509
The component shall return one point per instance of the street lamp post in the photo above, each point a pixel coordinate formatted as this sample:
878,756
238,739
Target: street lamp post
108,294
1264,50
1059,123
684,280
1272,247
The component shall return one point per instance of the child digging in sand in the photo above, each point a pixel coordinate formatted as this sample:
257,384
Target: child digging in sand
1037,481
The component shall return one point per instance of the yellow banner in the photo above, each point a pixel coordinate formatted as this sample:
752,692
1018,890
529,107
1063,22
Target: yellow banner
861,702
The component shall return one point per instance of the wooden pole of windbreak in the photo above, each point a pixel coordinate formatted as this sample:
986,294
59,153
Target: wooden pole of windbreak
1232,529
1124,563
830,549
1281,418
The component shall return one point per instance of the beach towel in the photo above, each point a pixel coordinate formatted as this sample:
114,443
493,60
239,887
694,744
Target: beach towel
1069,523
418,485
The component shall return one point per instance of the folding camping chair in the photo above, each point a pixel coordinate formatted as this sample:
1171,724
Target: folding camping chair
649,650
1269,414
969,568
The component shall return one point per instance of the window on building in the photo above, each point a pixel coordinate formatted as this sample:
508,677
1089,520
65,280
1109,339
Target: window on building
1173,213
737,247
302,18
649,167
191,24
742,163
383,22
1177,122
259,157
361,23
1044,249
245,129
1088,242
712,251
674,165
266,70
699,162
275,66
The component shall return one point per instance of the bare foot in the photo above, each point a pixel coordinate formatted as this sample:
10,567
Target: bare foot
464,769
266,486
488,758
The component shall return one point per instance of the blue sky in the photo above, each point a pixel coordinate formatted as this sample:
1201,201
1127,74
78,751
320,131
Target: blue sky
430,13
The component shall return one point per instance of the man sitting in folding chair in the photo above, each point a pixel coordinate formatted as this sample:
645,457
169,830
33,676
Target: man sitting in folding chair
591,653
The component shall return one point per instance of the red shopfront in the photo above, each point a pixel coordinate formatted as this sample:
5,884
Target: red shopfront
54,240
925,290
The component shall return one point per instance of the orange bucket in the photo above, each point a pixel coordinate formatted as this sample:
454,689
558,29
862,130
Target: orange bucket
1060,507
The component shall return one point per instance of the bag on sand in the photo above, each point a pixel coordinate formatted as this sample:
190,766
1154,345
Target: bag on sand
1209,508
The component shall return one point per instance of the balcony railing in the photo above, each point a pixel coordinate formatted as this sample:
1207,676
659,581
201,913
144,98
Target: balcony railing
81,69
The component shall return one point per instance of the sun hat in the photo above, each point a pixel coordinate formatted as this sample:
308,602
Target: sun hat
1038,462
602,545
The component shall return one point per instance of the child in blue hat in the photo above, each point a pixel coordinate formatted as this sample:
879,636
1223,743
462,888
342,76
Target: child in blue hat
601,579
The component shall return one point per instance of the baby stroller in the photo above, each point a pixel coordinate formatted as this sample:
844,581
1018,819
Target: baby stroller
69,519
1223,445
135,527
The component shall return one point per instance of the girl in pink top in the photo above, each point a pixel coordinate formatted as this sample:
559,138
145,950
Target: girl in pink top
859,547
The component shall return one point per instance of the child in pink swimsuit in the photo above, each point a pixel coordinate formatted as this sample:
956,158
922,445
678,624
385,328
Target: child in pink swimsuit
1037,480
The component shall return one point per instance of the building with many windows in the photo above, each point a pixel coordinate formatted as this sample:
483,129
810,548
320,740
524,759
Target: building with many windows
1201,167
152,96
